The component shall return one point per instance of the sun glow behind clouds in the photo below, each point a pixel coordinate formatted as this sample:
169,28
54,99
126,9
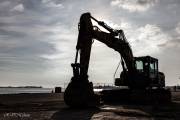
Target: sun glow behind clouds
147,38
143,39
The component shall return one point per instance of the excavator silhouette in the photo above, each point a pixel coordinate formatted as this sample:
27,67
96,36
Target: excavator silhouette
140,74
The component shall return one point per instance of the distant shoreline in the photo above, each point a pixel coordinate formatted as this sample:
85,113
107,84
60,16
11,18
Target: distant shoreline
21,87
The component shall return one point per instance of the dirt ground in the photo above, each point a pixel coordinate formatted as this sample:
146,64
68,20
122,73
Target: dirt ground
51,106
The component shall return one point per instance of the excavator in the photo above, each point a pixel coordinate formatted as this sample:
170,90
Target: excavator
140,75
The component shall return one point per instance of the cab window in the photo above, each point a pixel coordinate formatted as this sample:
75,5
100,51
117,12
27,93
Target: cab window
152,67
139,65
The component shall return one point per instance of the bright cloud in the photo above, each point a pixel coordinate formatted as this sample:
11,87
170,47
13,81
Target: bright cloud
19,8
134,5
178,28
52,4
145,39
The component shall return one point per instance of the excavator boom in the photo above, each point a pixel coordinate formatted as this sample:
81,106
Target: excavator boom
115,39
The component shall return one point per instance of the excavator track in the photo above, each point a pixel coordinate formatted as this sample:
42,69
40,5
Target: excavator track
150,96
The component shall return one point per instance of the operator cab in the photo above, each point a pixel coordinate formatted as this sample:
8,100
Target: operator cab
146,74
148,66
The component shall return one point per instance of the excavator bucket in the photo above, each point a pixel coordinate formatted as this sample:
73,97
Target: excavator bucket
80,95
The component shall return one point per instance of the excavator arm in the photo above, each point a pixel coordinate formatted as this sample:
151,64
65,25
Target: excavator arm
115,39
118,44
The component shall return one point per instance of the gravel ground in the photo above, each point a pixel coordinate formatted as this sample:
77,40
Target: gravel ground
51,106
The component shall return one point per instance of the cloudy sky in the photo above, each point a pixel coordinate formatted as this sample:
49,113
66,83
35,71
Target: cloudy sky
38,38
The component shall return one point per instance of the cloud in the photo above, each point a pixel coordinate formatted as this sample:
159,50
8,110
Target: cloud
53,4
170,44
134,5
25,36
5,4
174,42
177,29
145,40
18,8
